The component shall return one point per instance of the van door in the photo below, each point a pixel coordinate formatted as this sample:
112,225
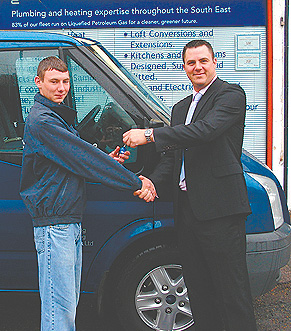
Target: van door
104,113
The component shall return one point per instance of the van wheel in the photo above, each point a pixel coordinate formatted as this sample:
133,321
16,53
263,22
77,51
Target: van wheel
150,293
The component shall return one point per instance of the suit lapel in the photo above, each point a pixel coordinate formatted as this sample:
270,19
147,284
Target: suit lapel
213,88
182,112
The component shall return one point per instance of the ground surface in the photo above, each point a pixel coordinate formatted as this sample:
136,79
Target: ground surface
273,309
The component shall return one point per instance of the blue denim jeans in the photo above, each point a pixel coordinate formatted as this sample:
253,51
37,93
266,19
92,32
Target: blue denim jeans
59,253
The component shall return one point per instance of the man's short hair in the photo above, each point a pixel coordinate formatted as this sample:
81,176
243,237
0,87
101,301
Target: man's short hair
51,63
197,43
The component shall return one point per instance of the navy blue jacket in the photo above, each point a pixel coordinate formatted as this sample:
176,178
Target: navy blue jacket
57,162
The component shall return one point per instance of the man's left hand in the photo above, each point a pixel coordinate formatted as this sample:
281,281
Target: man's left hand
134,138
119,157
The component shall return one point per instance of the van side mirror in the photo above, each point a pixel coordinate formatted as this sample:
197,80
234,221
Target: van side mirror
156,123
152,123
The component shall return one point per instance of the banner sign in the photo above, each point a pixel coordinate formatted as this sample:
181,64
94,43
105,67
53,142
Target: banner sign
147,37
89,14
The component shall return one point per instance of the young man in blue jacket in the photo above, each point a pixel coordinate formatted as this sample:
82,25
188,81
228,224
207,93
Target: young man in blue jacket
56,163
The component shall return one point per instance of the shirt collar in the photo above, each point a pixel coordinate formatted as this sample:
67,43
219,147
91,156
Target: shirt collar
203,91
67,114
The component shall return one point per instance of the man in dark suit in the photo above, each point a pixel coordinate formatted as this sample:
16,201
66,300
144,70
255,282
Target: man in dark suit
202,151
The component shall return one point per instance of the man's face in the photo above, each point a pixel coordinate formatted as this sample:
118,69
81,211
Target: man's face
54,86
199,66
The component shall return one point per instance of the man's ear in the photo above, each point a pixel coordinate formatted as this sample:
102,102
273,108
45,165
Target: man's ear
37,81
215,61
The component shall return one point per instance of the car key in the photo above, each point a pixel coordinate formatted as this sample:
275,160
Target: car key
122,149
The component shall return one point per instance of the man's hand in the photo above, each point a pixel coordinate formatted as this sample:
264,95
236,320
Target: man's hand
134,137
148,191
119,157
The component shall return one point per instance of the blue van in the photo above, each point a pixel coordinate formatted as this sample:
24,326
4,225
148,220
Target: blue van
129,246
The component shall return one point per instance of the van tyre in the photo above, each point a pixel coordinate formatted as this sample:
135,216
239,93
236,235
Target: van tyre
150,293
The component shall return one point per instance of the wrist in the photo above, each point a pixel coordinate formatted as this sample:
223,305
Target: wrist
152,137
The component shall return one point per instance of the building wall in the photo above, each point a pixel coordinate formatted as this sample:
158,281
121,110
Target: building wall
278,89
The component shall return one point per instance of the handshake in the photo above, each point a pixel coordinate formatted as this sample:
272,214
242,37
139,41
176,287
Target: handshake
147,191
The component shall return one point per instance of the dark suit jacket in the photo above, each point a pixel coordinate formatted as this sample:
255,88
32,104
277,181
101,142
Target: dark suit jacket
212,146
